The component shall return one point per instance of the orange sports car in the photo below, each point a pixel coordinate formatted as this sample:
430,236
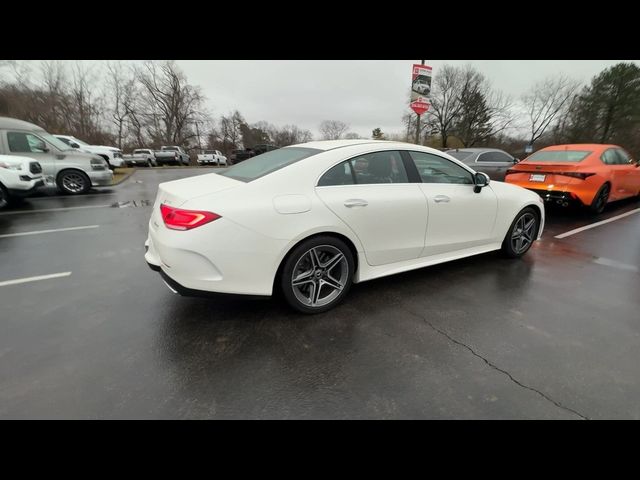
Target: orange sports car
588,174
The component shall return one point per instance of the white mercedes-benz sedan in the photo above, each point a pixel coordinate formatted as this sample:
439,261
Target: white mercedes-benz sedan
310,219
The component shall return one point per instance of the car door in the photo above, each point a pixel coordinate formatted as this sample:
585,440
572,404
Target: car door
629,173
374,196
28,144
618,174
459,218
494,164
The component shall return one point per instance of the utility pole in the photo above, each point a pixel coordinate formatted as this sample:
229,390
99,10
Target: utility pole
418,121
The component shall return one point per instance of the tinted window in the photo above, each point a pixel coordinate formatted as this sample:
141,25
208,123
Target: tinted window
495,157
65,140
459,154
339,175
609,157
379,167
261,165
623,158
550,156
435,169
20,142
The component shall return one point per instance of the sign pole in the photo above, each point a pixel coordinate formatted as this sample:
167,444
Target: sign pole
418,120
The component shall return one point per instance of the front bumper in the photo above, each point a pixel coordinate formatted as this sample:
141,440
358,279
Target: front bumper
101,178
29,188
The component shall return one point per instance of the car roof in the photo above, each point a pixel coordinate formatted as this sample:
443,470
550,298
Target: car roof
326,145
14,123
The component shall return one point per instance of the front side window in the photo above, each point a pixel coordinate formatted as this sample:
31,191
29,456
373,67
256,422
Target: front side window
261,165
435,169
497,157
21,142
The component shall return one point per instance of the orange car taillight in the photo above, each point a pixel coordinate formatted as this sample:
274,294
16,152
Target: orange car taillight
179,219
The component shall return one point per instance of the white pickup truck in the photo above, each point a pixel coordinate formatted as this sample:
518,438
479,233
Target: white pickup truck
212,157
141,156
112,155
19,177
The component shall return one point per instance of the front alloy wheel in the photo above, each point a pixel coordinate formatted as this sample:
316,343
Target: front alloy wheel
74,182
317,274
522,234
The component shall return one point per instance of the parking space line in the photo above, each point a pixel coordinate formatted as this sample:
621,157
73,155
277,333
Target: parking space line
38,232
34,279
19,212
597,224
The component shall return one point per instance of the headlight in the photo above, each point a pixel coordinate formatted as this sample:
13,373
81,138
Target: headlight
98,164
10,166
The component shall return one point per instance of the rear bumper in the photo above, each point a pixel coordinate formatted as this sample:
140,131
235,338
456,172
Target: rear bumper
563,199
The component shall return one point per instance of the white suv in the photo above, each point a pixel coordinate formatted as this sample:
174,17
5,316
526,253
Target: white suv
112,155
19,177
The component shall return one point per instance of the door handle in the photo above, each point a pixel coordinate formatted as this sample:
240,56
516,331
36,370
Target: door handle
441,199
355,202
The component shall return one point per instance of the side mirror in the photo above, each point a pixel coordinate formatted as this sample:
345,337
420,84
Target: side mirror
481,180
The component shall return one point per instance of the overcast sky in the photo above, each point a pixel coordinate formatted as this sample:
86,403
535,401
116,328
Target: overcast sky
364,94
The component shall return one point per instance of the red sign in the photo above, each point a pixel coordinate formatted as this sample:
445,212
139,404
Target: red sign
420,88
419,107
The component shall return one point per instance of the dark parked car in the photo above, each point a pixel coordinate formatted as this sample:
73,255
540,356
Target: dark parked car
263,147
491,161
240,155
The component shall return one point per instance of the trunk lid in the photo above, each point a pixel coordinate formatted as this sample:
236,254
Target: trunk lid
543,175
177,192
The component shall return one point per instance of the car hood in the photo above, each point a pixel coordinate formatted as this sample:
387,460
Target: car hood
17,161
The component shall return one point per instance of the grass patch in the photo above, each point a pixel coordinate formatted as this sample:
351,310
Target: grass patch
121,173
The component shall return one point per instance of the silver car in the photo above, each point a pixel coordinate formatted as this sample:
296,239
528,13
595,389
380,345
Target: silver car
71,171
491,161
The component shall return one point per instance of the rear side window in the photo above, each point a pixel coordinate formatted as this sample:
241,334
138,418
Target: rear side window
269,162
562,156
610,157
623,158
369,169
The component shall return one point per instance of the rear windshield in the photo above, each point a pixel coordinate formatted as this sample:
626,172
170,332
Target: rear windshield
572,156
269,162
460,154
170,149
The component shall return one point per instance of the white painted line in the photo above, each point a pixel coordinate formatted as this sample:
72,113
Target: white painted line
38,232
19,212
34,279
597,224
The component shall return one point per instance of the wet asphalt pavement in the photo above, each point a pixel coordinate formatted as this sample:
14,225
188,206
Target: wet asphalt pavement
554,335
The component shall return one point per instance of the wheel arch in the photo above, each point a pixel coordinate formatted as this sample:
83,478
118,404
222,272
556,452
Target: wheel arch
331,233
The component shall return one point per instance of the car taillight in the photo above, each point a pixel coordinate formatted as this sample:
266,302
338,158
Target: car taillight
580,175
179,219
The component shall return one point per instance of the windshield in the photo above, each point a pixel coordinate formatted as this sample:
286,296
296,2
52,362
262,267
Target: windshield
209,152
56,142
141,151
460,154
170,149
551,156
269,162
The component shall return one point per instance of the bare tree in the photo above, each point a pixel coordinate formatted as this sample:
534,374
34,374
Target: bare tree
121,87
333,129
448,85
170,103
291,135
545,101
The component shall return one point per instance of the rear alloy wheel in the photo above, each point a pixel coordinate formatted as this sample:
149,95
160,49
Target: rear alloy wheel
522,234
317,274
601,199
73,182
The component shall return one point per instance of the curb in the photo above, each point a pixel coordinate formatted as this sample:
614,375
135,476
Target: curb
126,177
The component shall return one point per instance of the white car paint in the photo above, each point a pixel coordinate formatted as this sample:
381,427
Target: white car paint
402,227
212,157
113,155
16,178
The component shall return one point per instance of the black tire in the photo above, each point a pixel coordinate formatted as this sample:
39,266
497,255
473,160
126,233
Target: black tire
73,182
4,196
600,200
520,237
319,268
